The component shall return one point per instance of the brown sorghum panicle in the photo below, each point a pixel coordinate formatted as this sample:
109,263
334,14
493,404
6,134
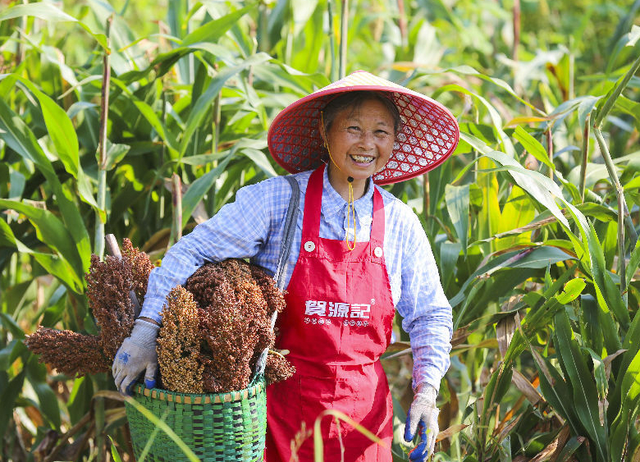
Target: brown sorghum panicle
68,352
108,285
272,295
179,344
236,301
141,267
277,368
228,350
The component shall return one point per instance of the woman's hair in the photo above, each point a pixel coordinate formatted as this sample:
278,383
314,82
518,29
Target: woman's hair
354,100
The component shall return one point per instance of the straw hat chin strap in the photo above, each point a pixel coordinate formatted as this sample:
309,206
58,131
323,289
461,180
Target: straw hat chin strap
351,210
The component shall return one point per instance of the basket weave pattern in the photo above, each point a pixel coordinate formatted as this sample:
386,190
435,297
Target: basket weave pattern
216,427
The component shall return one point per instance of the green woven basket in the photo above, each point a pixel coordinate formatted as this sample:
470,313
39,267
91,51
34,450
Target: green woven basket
216,427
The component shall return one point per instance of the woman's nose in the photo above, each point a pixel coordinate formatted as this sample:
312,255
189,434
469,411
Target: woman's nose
367,139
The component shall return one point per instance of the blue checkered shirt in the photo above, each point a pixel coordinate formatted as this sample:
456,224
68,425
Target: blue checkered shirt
252,227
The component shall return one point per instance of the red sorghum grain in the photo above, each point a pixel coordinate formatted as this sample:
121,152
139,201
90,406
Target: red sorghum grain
213,329
236,301
141,267
278,368
179,344
68,352
108,285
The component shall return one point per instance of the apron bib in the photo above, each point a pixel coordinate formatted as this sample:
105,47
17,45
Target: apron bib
336,325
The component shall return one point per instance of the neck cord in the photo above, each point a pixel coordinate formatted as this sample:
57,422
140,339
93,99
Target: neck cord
351,210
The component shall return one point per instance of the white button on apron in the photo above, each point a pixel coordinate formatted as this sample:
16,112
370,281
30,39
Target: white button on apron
377,252
309,246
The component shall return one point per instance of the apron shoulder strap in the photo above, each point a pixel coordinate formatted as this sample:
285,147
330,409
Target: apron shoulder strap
289,229
287,239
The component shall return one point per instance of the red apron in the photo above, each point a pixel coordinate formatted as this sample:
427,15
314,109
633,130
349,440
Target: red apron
336,325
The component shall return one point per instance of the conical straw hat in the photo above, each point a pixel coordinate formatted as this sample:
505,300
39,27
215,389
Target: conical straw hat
429,132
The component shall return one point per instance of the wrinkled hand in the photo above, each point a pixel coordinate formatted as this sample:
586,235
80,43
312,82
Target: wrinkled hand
136,355
423,413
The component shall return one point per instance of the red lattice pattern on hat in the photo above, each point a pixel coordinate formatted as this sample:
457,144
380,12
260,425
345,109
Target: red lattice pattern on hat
428,136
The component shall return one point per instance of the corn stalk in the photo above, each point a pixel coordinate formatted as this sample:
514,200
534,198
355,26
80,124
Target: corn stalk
624,217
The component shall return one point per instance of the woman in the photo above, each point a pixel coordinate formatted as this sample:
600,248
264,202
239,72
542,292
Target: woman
358,255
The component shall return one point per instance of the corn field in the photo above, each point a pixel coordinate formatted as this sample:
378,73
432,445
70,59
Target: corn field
141,119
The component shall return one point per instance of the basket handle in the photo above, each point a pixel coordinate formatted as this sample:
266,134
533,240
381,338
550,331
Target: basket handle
283,258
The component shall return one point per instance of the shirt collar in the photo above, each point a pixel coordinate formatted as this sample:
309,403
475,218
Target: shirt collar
333,203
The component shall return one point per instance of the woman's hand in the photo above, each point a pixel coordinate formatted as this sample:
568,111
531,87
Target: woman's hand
423,413
136,355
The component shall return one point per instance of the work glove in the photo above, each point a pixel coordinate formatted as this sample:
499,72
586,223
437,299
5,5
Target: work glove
136,355
423,413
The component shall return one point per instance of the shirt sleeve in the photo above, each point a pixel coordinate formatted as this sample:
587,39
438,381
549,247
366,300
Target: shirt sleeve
426,312
238,230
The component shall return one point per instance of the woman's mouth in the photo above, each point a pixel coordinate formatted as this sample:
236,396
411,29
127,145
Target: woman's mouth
362,159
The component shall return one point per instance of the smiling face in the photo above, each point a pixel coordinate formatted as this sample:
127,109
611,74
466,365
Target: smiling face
360,140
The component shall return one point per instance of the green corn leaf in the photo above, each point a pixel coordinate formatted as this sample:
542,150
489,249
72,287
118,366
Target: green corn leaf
20,138
535,258
634,263
14,349
64,138
53,264
495,390
537,185
202,106
599,212
570,448
518,212
630,107
457,198
53,313
496,120
608,293
115,153
555,390
60,129
598,373
631,343
468,70
586,108
213,30
150,115
571,291
630,406
533,146
285,76
50,231
311,17
449,254
585,395
541,257
47,399
48,12
114,451
8,397
260,160
199,188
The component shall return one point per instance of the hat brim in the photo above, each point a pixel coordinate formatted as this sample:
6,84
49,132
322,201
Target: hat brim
428,136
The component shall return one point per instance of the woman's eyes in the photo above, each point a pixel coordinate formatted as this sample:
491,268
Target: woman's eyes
357,129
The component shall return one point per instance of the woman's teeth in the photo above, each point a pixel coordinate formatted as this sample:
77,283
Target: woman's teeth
362,159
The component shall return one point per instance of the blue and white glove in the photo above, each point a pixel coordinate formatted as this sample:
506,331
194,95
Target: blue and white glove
136,355
423,413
